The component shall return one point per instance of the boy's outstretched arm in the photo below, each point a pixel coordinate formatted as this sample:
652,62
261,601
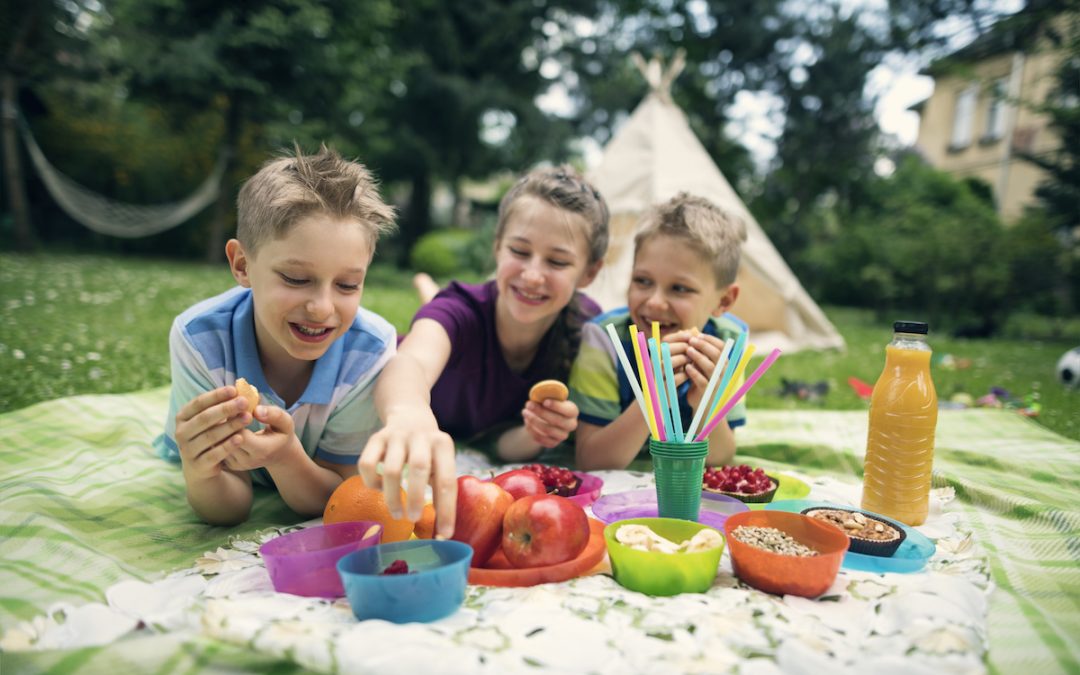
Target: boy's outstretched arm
204,427
410,435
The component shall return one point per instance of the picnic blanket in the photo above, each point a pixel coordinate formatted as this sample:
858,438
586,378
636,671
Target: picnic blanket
86,508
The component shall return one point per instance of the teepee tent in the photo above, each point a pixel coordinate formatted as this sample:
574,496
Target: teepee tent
654,156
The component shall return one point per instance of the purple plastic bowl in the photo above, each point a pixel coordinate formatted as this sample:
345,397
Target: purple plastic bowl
589,489
715,508
305,562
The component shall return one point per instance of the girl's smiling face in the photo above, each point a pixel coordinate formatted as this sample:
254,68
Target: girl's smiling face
541,259
306,286
671,283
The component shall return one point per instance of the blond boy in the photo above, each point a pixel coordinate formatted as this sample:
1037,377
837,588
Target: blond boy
686,256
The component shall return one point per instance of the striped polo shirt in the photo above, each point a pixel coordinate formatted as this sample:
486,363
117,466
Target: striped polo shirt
212,343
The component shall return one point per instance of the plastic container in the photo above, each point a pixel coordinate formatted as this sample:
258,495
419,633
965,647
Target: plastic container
304,562
656,573
900,440
589,489
771,572
498,571
714,509
678,468
433,588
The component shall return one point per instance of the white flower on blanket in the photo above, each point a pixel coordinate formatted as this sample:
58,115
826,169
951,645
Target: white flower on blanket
68,627
226,560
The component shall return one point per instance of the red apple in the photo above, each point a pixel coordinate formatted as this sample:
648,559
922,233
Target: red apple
481,506
520,483
544,530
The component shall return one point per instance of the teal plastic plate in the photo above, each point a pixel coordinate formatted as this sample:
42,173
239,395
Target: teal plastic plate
910,557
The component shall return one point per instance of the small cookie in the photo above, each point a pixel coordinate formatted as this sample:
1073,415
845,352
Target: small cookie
545,389
249,392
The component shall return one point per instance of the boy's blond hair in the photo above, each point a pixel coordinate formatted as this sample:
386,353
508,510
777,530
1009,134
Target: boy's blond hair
288,189
711,231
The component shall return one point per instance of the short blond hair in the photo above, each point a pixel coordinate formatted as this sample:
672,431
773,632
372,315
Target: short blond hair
712,232
288,189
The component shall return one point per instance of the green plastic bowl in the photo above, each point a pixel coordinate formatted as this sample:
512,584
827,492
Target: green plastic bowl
655,573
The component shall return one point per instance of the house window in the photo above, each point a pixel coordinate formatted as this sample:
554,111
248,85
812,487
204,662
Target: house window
995,112
964,118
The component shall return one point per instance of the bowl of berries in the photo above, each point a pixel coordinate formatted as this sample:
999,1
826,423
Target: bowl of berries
747,484
418,580
580,488
303,562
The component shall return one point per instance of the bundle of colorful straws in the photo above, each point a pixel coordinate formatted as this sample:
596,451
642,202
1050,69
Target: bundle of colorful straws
655,389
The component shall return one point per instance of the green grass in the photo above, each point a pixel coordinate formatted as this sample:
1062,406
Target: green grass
73,324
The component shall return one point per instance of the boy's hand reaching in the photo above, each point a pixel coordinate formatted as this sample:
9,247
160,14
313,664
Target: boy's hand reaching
550,422
204,429
274,443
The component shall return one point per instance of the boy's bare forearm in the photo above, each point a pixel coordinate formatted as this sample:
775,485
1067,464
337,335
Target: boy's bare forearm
517,445
721,445
613,446
303,485
224,499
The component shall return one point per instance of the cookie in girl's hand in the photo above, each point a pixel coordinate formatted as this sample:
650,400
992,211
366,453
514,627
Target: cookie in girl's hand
545,389
249,392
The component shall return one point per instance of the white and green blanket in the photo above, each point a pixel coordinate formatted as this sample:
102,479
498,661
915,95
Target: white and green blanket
104,568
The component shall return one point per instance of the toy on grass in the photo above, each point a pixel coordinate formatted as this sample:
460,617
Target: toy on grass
1068,368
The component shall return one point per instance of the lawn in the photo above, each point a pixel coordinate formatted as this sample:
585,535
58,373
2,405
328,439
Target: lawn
75,324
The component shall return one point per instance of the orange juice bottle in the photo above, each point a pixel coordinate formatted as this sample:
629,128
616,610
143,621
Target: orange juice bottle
900,442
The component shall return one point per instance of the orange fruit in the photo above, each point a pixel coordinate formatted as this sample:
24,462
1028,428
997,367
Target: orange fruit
425,527
352,500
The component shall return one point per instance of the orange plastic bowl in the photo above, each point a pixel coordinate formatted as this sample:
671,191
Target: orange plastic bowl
809,576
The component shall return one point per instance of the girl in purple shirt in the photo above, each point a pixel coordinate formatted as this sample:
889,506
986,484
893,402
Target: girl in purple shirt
473,352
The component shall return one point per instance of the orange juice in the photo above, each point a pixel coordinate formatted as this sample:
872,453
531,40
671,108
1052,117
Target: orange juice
900,441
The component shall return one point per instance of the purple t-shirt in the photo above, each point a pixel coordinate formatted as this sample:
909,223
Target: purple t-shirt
477,390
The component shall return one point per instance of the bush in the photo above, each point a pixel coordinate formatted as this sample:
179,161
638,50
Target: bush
924,242
443,253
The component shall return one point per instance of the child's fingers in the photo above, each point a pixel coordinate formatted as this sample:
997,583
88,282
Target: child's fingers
444,484
393,462
194,441
276,418
556,414
419,463
204,401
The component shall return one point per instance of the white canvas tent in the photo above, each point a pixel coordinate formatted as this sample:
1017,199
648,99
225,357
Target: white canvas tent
652,157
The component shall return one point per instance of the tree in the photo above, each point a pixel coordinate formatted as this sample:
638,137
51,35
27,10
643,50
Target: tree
465,103
258,63
829,141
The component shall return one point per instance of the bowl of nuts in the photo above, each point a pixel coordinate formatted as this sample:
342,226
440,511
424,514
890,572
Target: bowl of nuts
784,553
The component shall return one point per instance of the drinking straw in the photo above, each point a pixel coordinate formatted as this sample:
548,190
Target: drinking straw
649,417
729,369
673,396
658,415
661,393
706,398
769,360
621,353
732,384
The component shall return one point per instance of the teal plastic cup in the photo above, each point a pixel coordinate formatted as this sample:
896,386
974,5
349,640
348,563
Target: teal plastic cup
678,468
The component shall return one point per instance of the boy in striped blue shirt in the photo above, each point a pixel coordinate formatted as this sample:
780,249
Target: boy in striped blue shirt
293,328
686,256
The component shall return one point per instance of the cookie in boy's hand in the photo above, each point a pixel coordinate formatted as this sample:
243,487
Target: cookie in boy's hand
545,389
249,392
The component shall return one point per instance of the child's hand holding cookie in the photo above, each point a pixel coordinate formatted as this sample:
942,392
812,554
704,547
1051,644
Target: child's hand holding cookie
549,417
204,426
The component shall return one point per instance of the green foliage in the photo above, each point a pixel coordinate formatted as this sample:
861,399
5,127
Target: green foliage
922,240
451,252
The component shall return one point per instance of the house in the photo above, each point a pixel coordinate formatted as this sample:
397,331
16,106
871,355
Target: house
982,116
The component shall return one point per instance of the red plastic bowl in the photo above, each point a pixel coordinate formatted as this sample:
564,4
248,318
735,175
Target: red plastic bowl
809,576
305,562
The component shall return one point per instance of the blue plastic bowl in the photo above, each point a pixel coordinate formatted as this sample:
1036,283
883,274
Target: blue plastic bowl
434,587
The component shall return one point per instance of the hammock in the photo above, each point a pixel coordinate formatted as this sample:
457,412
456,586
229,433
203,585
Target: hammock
113,218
